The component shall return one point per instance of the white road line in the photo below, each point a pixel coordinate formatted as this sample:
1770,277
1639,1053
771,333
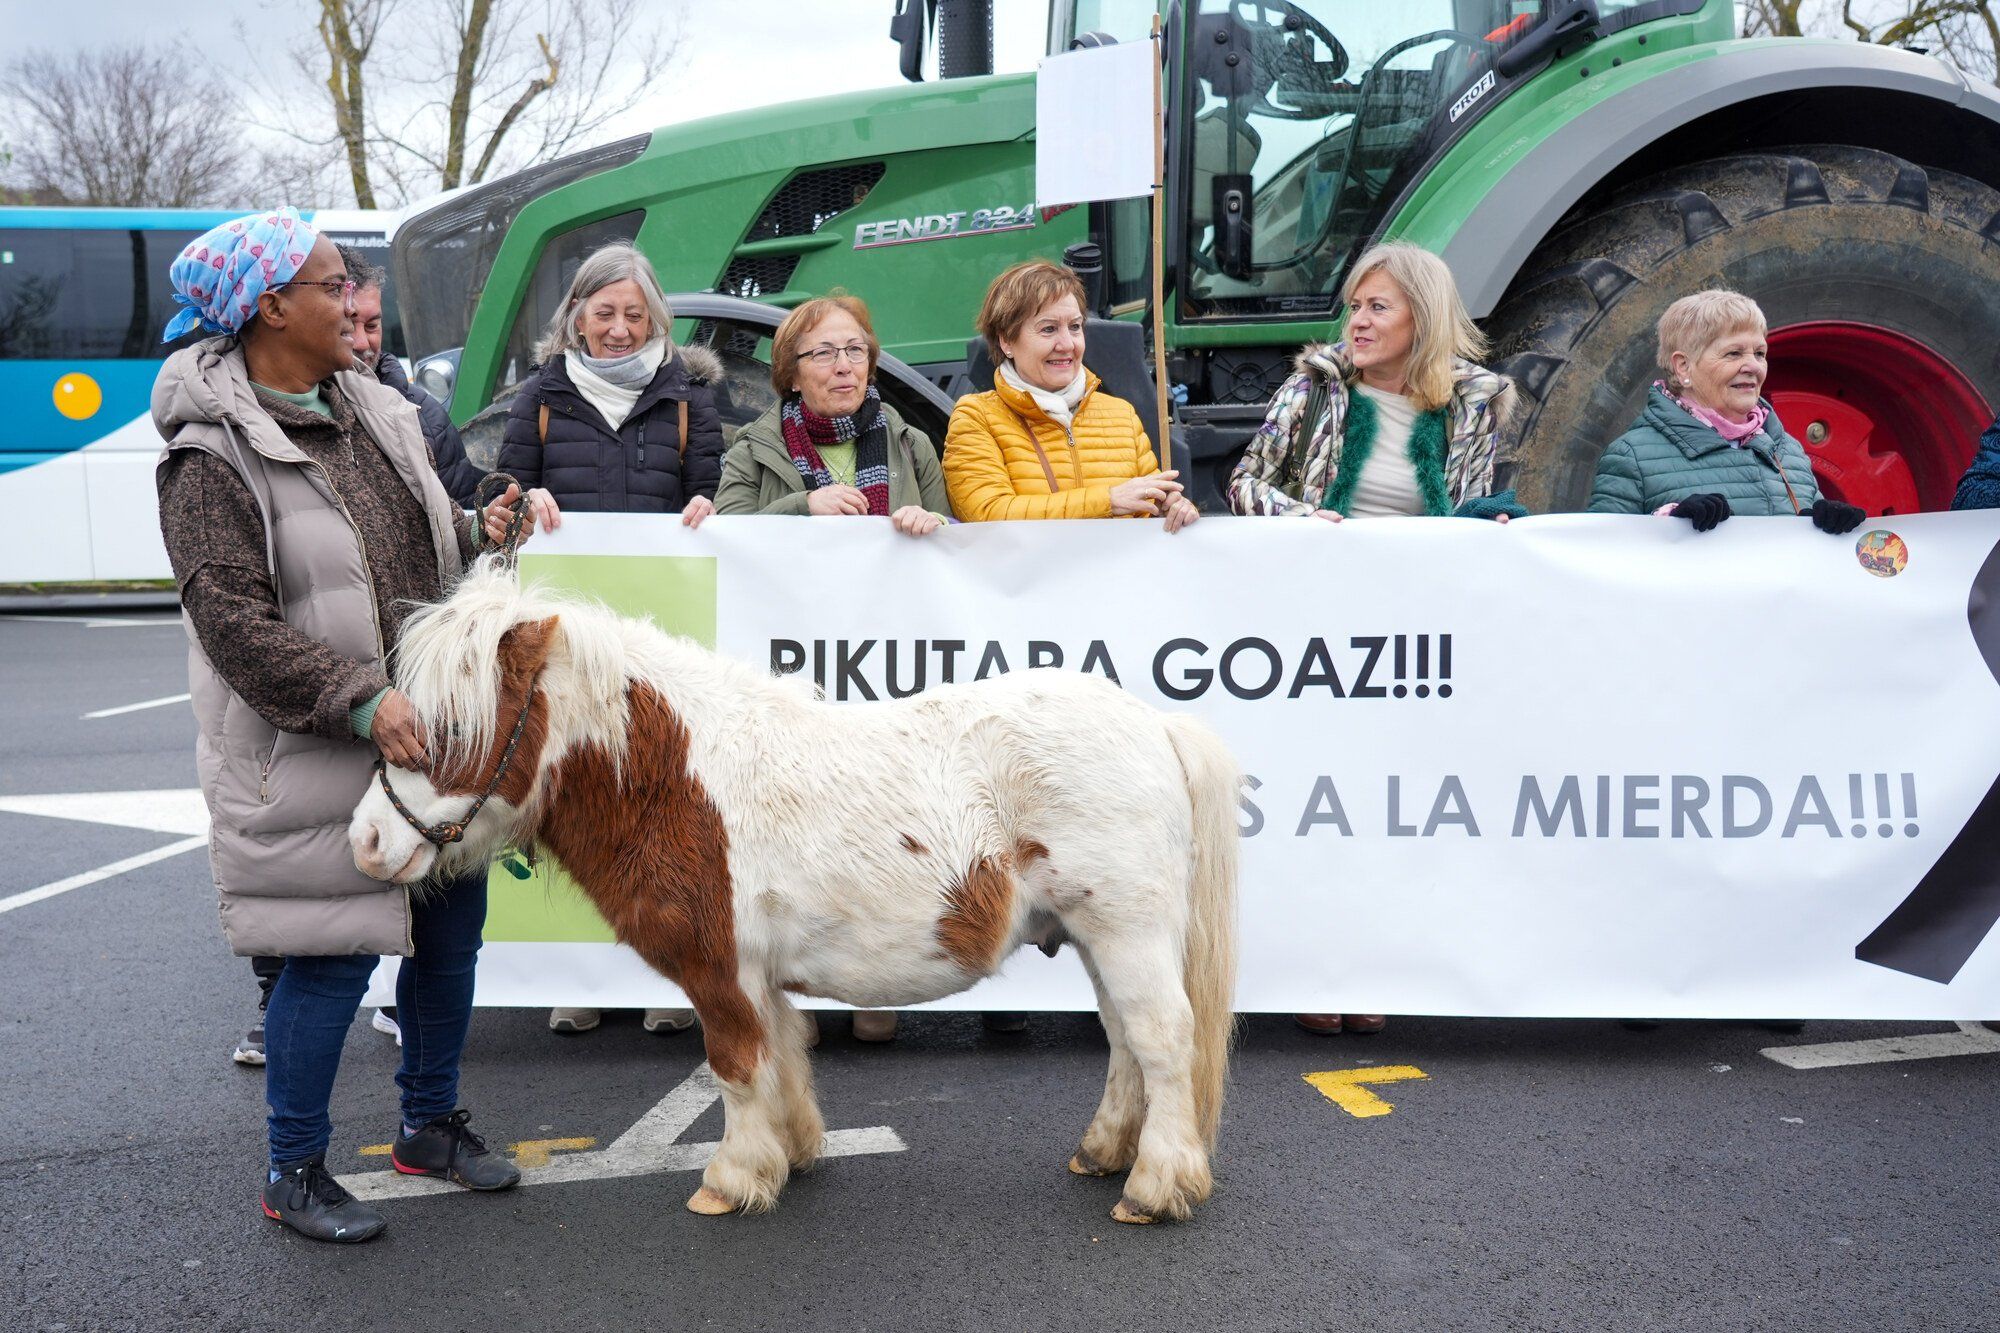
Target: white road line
97,622
646,1148
174,810
1970,1039
134,708
101,873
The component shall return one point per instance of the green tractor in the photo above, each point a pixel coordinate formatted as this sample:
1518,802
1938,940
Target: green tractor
1578,163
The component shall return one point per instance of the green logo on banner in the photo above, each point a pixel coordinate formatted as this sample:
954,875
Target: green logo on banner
677,593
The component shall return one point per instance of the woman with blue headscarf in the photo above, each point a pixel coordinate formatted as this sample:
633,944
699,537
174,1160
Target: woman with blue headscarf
303,519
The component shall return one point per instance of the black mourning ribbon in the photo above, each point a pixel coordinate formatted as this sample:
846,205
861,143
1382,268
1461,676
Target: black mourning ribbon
1954,907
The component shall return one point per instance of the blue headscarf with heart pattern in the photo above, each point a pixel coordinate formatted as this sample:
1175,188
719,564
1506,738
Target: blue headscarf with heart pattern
218,278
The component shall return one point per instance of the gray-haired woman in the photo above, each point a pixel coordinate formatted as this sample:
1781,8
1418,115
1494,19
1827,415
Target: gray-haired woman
619,419
616,417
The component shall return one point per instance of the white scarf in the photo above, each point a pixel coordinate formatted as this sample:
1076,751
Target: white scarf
1057,407
615,402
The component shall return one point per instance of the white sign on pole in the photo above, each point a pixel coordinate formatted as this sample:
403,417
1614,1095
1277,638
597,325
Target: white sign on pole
1094,125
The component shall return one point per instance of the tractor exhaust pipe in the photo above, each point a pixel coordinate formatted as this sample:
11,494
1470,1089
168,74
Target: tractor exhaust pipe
965,38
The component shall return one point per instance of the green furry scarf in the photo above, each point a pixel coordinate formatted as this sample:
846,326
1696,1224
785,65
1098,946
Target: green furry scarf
1427,440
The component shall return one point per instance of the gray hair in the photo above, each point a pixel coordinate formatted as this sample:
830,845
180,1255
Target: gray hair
359,271
617,262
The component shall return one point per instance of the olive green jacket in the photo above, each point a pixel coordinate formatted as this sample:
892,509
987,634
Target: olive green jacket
758,476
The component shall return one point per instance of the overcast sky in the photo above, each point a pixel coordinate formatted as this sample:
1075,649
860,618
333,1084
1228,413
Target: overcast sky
736,54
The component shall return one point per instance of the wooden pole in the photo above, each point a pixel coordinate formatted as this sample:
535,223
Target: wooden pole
1164,445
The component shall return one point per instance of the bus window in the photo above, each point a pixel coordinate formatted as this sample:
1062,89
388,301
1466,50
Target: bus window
71,295
162,248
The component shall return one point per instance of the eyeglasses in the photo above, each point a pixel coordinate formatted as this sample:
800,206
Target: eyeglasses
341,289
856,354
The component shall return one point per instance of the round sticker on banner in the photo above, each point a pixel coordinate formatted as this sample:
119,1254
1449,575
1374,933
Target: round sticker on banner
1882,553
78,396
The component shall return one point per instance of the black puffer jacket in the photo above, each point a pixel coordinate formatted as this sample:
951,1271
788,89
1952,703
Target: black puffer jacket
459,474
637,468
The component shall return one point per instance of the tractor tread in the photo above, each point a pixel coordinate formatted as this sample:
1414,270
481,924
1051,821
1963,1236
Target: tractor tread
1587,298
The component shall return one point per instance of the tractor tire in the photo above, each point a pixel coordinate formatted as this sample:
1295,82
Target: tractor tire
1879,279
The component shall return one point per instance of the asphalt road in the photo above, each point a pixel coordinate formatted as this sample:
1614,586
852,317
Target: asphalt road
1541,1175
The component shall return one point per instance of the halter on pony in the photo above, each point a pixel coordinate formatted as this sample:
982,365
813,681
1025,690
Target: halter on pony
443,835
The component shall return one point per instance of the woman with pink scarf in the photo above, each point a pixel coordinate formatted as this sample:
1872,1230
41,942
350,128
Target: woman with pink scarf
1707,445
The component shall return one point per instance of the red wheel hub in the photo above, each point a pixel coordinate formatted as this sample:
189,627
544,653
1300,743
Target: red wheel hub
1889,423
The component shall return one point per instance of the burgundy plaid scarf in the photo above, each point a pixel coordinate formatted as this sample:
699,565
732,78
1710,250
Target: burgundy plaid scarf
867,428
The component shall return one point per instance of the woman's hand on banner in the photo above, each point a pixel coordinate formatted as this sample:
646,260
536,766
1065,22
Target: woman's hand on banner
697,509
915,521
1330,515
1145,495
542,505
1180,513
836,500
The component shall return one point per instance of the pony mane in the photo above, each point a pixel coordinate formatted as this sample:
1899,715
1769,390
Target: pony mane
447,660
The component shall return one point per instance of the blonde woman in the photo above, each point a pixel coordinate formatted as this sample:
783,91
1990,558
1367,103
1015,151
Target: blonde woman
1397,419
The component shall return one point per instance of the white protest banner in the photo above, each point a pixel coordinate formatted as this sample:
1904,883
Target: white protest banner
1094,124
1565,766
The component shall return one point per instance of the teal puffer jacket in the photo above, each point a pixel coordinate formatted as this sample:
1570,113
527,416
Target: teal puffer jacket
1668,456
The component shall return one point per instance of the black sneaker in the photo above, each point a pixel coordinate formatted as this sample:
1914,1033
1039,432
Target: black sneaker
447,1149
306,1198
250,1051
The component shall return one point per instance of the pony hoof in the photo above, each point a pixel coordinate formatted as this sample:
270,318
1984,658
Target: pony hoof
1083,1164
709,1204
1127,1211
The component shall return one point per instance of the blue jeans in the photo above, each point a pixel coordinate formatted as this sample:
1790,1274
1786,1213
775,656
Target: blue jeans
315,1001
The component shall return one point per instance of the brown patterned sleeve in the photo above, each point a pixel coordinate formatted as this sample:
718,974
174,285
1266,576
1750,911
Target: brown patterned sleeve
215,540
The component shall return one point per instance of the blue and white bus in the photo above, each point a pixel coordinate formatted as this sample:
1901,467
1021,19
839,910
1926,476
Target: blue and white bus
83,297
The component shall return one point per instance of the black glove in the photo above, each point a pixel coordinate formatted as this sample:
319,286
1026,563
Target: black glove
1704,511
1835,517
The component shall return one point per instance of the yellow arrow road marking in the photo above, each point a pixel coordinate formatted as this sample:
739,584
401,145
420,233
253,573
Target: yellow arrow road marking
1343,1087
531,1153
528,1153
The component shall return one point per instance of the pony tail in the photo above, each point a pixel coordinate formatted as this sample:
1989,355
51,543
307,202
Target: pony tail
1208,956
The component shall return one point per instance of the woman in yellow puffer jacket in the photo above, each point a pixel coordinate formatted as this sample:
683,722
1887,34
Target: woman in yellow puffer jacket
1046,441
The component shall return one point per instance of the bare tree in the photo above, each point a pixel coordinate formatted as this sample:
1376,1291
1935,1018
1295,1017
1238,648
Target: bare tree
1772,18
122,126
1907,24
347,33
433,94
1972,40
1965,31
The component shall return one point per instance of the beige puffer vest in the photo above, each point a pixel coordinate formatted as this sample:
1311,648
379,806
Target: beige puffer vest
279,802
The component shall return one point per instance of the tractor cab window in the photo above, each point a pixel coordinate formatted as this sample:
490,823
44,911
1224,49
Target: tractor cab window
1125,20
1305,119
